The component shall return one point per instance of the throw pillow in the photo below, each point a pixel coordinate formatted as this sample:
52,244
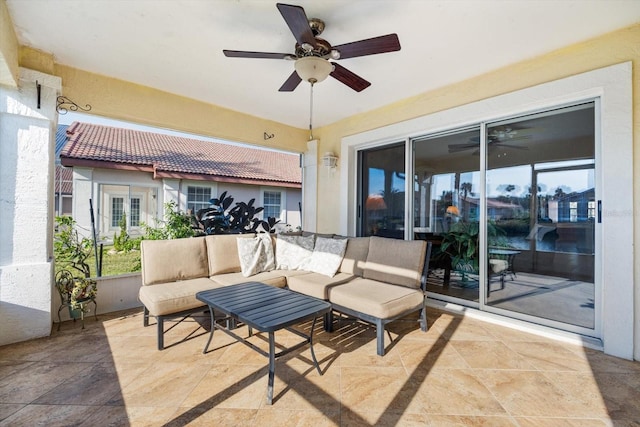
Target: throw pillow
327,256
256,255
293,252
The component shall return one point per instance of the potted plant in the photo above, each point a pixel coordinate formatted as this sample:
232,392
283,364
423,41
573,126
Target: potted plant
73,274
461,244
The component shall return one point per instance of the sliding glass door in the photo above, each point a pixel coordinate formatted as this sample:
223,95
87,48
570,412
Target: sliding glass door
541,215
510,206
446,209
382,191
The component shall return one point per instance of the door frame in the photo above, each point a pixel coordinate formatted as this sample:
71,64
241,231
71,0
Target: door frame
613,86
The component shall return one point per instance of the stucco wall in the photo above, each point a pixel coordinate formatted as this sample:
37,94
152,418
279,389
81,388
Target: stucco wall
26,199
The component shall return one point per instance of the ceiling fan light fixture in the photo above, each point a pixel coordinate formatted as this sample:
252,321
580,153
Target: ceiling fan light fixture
313,69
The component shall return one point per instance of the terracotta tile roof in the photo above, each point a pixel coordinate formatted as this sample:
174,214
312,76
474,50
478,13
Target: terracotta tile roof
168,156
64,180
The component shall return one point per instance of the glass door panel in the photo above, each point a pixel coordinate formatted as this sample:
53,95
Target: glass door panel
382,188
446,210
541,208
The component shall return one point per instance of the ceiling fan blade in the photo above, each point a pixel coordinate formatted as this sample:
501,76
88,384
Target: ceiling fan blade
296,19
454,148
262,55
381,44
352,80
503,145
291,83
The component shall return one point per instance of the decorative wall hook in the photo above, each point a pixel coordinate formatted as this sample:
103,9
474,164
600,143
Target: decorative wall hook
64,104
38,92
267,136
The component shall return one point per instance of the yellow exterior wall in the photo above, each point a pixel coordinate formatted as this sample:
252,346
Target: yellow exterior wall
8,48
610,49
127,101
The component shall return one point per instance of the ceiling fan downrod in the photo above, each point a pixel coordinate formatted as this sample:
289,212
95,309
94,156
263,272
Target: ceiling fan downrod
312,81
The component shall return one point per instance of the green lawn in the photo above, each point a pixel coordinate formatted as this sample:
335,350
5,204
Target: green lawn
118,263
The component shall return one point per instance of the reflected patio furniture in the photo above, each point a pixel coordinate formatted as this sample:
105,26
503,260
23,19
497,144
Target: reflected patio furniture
508,255
439,259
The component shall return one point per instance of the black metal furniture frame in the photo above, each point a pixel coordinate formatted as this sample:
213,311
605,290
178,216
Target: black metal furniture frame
182,315
266,309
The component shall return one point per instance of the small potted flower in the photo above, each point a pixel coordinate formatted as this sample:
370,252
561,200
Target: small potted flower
73,274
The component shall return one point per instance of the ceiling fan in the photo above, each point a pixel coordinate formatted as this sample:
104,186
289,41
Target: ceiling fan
497,138
314,56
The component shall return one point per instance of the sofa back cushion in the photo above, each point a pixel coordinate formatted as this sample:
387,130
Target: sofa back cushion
222,250
294,252
399,262
171,260
355,256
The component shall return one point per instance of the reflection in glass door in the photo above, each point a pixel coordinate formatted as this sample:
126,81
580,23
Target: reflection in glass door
446,210
382,188
541,213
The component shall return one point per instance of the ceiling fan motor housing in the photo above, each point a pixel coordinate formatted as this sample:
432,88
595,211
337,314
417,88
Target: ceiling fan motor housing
322,48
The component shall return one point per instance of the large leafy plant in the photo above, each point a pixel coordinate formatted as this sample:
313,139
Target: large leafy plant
461,243
222,218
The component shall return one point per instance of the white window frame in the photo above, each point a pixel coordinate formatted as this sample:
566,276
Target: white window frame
112,198
283,202
612,86
212,194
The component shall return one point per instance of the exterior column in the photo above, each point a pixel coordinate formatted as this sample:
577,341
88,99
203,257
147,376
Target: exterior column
27,140
310,187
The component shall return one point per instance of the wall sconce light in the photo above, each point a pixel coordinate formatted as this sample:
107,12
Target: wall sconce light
330,160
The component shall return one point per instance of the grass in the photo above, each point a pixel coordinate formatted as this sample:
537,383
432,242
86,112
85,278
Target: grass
114,264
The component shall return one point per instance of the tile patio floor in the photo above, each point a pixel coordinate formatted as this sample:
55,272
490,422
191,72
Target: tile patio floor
461,372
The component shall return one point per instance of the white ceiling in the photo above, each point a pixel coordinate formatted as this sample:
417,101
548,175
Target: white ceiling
177,46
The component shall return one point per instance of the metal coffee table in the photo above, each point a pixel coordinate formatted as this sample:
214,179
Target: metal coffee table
266,309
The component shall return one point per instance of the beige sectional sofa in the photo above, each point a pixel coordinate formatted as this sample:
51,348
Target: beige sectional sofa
378,279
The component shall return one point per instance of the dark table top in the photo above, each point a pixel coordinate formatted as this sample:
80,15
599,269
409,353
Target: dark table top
264,307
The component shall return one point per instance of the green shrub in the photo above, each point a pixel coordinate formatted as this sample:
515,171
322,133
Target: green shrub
178,225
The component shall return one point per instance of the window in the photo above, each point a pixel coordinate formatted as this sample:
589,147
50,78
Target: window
591,210
272,203
135,212
117,210
135,205
573,211
198,198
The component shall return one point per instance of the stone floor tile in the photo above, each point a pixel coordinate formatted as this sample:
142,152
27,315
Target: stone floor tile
457,392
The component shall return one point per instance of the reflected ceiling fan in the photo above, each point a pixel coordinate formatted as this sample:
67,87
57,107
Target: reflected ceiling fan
314,57
498,137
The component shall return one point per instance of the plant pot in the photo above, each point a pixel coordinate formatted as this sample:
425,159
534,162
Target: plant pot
75,313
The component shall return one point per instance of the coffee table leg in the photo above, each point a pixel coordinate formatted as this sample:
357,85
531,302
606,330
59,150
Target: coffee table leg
272,367
213,320
313,354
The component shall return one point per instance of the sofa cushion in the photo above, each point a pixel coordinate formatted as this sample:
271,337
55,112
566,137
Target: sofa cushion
315,284
172,297
498,265
293,252
399,262
378,299
256,255
276,278
327,256
170,260
355,256
222,251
